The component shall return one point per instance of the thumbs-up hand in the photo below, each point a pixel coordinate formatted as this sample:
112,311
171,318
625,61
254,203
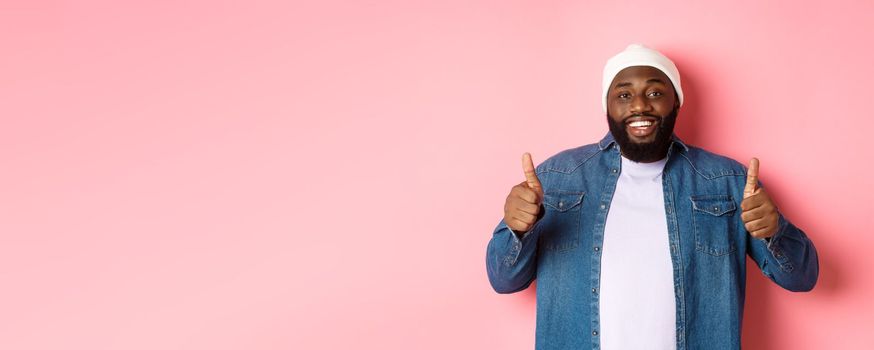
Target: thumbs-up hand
522,206
759,213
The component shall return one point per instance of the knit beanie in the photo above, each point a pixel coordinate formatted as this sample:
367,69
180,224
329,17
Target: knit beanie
639,55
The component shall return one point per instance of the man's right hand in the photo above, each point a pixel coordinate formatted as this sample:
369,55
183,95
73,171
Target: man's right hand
523,203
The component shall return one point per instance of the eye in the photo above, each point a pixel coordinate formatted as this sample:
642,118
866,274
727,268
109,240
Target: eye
624,95
655,94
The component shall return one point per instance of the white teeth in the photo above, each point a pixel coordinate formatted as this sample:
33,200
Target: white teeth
640,124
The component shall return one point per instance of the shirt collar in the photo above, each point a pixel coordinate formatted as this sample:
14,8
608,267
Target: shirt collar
608,140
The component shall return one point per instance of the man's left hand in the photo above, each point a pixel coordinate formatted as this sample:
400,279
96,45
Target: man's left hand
759,213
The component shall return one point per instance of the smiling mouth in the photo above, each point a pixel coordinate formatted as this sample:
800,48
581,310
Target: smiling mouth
641,126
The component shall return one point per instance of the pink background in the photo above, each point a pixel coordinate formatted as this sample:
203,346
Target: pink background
326,175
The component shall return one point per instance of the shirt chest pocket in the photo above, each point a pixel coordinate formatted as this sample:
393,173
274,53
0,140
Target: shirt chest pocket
563,218
713,219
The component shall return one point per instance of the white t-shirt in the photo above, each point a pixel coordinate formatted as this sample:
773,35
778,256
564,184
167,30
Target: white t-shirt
637,304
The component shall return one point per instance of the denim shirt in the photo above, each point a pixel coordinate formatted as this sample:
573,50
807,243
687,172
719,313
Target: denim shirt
707,239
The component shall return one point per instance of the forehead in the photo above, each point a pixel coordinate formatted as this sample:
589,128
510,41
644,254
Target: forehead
640,75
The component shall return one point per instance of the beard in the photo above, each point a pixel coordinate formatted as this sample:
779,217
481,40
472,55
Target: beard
645,152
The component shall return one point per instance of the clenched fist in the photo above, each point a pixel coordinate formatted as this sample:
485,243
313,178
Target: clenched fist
759,213
522,207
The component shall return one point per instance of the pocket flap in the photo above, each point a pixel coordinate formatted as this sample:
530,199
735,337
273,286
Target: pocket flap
716,205
562,200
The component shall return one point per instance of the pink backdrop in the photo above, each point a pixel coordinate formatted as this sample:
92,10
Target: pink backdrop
326,175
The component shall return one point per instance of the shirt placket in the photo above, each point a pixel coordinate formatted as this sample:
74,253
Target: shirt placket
598,240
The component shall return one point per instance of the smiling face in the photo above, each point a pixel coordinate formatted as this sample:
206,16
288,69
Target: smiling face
642,107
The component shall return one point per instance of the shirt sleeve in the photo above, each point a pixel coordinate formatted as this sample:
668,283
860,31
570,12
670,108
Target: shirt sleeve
788,258
511,261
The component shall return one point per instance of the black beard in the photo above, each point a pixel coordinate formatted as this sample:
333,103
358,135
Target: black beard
649,151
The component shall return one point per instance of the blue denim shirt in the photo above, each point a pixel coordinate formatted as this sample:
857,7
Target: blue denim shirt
706,235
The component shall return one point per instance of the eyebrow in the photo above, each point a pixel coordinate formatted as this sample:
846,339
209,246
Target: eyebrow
650,80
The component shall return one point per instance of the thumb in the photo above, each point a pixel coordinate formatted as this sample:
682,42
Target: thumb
530,175
752,178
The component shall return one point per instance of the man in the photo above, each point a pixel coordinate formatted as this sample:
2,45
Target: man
639,241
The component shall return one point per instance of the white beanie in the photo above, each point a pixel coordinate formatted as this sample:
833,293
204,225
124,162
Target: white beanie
639,55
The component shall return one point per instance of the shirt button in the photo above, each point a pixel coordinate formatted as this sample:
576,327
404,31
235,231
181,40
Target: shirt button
614,170
603,206
594,332
560,204
594,290
668,209
596,249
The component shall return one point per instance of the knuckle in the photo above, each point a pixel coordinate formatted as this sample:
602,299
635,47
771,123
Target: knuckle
532,217
519,214
530,197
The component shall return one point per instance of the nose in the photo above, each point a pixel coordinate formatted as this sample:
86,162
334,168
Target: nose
639,104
